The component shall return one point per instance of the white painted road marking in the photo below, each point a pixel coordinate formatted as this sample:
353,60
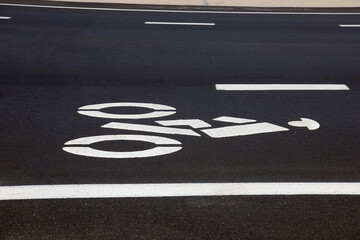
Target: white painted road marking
248,127
274,87
153,106
150,128
305,122
94,110
194,123
180,23
99,114
243,130
27,192
178,11
234,120
91,152
5,18
96,139
349,25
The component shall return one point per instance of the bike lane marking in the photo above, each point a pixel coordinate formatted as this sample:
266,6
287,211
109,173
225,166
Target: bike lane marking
243,127
148,128
94,110
244,130
84,150
194,123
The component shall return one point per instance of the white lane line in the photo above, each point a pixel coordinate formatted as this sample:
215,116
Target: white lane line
176,190
180,23
273,87
5,18
349,25
177,11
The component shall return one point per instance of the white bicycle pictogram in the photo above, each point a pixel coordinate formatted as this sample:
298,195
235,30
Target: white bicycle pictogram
165,145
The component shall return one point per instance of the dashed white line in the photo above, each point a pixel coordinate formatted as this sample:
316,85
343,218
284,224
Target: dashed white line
5,18
349,25
176,190
180,23
273,87
177,11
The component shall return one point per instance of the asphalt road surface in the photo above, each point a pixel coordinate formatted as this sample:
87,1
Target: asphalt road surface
55,61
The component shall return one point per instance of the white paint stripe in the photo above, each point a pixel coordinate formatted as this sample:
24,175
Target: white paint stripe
234,120
243,130
194,123
178,11
150,128
180,23
5,18
349,25
176,190
270,87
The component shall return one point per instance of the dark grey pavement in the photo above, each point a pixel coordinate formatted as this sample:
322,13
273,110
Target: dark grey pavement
53,61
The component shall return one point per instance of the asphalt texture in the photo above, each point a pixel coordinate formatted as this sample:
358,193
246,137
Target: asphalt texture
53,61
